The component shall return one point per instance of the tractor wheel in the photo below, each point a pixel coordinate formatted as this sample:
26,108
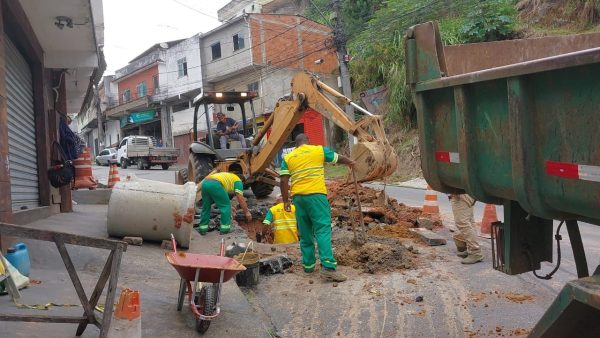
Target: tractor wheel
261,189
199,165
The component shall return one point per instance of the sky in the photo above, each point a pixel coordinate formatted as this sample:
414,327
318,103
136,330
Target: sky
132,26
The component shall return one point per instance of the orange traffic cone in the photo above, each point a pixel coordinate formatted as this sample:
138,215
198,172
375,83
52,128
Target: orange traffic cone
430,205
113,176
127,318
83,171
489,217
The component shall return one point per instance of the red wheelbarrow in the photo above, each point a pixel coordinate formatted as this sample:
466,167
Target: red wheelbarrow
202,276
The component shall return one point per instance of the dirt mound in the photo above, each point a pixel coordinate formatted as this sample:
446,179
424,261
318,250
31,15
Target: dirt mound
383,216
375,256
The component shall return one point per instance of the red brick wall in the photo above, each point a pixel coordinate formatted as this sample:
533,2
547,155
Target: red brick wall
132,81
282,40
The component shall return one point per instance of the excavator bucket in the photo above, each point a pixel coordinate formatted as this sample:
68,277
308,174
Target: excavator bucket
374,161
374,156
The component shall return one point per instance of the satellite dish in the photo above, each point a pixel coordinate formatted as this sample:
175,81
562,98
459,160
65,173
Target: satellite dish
163,45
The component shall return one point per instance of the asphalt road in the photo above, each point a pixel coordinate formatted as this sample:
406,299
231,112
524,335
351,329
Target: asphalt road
450,309
154,173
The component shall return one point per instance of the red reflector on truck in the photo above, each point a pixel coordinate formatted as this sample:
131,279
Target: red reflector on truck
445,156
572,170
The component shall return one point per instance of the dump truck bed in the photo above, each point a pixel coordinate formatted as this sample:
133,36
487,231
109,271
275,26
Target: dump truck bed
511,120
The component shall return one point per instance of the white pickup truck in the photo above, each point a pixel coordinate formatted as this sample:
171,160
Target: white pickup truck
143,151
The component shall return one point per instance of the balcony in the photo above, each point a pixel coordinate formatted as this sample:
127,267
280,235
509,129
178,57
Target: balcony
125,106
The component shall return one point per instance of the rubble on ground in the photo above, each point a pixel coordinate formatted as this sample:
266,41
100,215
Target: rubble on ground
378,254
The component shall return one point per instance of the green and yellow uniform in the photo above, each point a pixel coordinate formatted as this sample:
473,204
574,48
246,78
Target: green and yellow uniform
304,165
216,189
284,224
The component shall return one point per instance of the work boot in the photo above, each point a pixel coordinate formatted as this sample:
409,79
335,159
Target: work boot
462,254
332,275
224,231
202,231
472,259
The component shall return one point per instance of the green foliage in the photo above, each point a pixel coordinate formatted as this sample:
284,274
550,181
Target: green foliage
319,11
491,21
450,30
356,14
378,51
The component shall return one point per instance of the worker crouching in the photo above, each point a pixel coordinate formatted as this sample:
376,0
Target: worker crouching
285,230
216,189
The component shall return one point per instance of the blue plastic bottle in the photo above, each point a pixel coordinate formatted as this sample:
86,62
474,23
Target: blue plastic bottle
19,258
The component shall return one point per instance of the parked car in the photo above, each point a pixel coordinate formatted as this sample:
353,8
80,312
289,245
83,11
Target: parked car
107,156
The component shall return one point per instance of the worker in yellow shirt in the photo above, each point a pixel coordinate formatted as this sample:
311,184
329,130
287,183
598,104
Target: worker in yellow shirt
304,165
284,223
216,189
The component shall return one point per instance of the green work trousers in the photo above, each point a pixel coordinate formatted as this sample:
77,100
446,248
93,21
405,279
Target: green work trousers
313,215
213,192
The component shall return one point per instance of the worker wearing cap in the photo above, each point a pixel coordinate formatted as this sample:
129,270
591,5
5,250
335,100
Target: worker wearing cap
226,128
284,223
304,165
216,189
466,240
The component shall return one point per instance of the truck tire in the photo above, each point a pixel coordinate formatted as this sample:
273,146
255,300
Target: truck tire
123,163
199,165
140,165
261,189
165,166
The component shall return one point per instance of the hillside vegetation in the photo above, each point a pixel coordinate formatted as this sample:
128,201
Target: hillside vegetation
375,36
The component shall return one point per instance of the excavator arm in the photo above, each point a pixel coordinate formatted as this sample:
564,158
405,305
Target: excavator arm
374,155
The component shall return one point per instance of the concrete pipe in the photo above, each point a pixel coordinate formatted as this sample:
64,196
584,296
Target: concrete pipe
151,210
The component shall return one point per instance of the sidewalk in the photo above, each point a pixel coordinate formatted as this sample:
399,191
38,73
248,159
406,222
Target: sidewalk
143,268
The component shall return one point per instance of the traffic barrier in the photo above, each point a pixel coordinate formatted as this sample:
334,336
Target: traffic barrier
113,176
430,205
83,172
489,217
127,318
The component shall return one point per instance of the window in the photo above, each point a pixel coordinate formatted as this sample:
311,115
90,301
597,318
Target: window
103,152
122,143
142,90
181,67
238,41
126,95
216,50
253,87
155,84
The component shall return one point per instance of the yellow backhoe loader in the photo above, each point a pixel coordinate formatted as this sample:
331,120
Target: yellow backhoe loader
374,155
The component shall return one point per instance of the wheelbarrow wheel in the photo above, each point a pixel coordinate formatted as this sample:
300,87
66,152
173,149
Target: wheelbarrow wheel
206,300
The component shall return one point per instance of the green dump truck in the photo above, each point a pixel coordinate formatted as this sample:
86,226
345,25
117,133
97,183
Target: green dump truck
517,123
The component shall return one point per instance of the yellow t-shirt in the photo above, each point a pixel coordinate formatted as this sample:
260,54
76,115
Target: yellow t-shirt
284,224
231,182
304,165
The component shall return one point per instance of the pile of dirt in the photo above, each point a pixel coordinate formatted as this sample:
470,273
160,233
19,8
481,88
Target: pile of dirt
375,256
384,216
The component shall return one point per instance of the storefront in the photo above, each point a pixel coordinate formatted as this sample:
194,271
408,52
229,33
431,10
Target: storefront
145,123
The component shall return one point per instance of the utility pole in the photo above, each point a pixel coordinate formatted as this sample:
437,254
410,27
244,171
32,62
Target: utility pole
339,38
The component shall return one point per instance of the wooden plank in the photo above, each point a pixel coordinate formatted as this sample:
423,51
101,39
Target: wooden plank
41,319
110,294
49,235
89,310
98,290
430,237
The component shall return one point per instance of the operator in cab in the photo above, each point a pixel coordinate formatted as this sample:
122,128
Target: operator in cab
216,189
285,230
227,128
304,165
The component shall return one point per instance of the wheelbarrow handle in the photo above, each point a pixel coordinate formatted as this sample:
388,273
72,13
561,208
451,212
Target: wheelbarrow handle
175,243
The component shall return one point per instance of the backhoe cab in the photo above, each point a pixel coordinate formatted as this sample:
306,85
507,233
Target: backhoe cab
374,155
206,156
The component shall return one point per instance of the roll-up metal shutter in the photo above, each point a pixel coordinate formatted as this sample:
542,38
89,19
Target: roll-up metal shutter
22,155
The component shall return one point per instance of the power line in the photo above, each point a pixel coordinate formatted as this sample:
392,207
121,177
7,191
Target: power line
194,9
